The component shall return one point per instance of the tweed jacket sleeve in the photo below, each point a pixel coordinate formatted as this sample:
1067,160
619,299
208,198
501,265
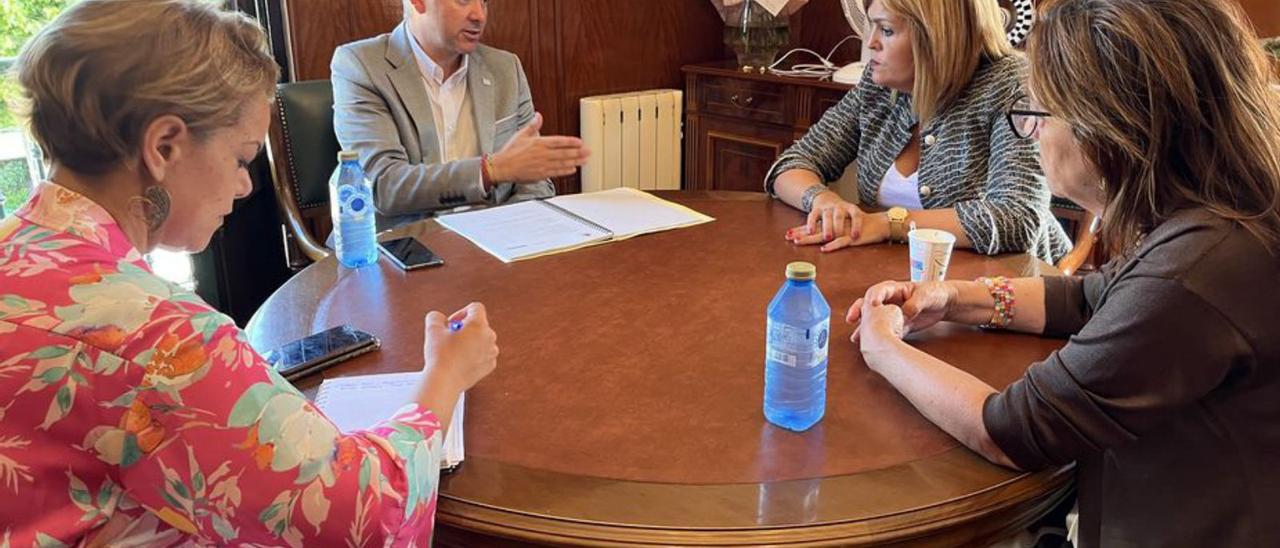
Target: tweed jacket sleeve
1011,213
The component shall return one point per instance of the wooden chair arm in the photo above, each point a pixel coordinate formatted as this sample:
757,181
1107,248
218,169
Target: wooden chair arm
1082,253
288,201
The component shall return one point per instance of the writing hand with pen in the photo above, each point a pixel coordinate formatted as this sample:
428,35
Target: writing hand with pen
458,352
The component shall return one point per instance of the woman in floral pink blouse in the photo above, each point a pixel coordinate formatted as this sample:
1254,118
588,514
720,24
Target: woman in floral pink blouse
131,413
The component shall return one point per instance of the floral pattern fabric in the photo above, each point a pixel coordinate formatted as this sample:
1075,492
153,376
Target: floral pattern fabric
132,413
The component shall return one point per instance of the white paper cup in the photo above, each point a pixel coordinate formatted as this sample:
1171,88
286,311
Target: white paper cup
930,253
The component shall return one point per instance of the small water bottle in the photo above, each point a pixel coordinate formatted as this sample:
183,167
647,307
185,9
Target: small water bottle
795,366
351,204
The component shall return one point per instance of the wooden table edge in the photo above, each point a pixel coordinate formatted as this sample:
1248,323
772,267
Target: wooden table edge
986,515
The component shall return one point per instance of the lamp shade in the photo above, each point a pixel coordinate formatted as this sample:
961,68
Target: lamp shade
782,8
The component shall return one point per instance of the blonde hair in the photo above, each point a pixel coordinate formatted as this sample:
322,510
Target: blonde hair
949,40
1171,102
95,77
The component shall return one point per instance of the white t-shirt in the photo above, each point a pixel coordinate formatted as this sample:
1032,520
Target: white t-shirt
899,191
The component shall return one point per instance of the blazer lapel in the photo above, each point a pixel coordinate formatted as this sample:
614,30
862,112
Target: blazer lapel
480,86
407,80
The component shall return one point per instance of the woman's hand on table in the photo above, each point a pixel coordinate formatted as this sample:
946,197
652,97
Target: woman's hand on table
922,304
882,326
835,224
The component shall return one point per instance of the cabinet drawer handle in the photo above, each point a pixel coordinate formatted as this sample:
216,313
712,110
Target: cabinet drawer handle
740,103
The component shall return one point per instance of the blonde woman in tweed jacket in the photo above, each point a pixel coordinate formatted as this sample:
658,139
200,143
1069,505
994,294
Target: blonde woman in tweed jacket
928,131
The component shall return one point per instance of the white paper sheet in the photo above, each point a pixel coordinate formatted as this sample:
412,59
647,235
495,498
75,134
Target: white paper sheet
358,403
532,229
522,230
628,212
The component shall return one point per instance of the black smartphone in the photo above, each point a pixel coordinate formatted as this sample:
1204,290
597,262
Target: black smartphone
321,350
409,253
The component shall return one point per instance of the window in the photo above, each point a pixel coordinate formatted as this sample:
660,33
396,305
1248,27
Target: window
19,161
20,164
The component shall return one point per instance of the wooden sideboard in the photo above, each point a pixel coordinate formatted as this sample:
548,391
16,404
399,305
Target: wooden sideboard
737,123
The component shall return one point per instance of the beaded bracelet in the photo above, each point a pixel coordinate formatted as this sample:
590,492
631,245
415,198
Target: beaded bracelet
1002,292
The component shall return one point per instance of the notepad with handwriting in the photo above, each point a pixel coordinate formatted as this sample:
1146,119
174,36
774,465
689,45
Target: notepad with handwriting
358,403
532,229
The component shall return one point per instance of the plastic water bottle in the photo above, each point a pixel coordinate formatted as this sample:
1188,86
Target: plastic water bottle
351,204
795,366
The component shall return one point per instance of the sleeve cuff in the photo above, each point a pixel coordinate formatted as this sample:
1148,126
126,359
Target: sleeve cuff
979,225
475,193
1006,427
786,163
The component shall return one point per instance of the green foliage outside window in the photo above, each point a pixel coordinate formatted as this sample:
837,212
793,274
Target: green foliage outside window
19,19
13,183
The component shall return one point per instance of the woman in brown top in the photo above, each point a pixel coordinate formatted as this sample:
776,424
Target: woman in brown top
1158,116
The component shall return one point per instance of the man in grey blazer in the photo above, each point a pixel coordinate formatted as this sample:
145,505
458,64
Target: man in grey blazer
440,120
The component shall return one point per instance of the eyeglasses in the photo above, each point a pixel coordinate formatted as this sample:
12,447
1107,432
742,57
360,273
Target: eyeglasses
1024,119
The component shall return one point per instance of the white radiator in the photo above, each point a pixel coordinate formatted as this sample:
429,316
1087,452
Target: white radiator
634,140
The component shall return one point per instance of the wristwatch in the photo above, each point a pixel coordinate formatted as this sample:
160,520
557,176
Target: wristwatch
897,224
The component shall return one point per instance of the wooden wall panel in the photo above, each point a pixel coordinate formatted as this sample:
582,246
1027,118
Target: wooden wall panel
520,26
317,27
546,81
819,26
611,47
515,25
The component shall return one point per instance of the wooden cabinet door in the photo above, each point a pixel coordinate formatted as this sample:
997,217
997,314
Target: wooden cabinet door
737,155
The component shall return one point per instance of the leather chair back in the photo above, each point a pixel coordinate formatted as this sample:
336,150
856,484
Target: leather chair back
303,152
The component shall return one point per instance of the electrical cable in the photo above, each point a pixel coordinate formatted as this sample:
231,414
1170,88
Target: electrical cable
823,70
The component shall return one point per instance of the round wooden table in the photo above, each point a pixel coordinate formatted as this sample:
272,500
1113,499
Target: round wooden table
626,407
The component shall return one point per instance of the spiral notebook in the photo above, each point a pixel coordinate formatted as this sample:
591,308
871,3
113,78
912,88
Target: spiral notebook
543,227
358,403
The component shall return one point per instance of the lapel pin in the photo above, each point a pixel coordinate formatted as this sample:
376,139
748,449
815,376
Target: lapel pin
486,82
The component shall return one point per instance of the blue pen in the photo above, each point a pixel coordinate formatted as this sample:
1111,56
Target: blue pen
455,326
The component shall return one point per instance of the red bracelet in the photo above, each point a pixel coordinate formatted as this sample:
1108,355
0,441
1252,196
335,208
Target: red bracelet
1002,292
486,173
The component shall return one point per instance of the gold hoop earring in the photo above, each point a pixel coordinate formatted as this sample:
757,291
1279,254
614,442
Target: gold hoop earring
154,204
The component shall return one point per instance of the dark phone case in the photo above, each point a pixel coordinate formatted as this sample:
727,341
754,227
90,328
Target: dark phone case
321,350
435,260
